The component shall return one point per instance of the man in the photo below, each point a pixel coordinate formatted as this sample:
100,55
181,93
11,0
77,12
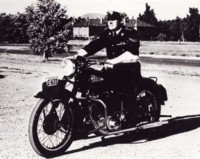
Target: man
122,47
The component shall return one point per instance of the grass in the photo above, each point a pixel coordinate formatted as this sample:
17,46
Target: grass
147,48
170,48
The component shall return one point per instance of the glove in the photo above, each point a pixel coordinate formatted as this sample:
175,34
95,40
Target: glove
82,52
108,66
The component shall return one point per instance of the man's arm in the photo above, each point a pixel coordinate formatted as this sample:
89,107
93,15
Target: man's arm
126,57
96,45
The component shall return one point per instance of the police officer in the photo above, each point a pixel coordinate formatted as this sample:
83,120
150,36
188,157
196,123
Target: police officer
122,48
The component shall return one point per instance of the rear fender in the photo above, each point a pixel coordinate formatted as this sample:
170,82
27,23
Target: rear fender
158,89
161,94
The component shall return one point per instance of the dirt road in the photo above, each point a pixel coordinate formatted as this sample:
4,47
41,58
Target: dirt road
21,77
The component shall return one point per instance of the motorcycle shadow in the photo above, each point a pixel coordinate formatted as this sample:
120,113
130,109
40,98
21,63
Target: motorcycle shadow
174,126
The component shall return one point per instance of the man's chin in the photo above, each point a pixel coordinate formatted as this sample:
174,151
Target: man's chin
112,28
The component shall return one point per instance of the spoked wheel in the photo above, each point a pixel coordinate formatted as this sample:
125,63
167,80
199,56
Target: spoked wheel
51,128
148,106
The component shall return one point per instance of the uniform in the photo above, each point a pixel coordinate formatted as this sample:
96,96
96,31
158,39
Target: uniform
117,41
115,44
123,75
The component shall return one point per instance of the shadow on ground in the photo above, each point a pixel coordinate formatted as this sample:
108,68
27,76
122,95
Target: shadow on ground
174,126
2,76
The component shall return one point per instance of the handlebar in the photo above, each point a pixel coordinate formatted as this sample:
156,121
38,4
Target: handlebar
90,61
94,62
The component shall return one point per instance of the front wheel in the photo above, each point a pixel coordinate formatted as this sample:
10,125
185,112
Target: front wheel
51,128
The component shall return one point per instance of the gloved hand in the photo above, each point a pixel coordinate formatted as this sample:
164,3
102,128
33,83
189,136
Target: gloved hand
108,66
81,52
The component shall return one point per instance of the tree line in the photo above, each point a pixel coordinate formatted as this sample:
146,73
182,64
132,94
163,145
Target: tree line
187,28
47,27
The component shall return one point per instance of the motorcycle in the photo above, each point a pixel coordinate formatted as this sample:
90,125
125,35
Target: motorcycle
81,104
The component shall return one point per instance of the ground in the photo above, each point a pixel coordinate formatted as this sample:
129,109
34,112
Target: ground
21,77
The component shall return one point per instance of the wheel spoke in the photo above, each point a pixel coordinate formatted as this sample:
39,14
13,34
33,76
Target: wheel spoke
57,135
44,138
63,130
40,130
50,138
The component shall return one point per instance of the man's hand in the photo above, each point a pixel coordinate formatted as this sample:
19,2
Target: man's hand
126,57
81,52
73,57
108,66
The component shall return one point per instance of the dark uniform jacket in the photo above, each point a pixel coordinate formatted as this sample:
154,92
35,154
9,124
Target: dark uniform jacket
123,75
115,44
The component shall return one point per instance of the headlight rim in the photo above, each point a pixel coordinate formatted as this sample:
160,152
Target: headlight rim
64,65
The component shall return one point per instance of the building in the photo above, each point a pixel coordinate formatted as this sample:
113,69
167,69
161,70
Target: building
137,24
86,28
89,28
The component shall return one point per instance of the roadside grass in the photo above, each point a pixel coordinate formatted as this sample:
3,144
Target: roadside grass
170,48
16,51
186,49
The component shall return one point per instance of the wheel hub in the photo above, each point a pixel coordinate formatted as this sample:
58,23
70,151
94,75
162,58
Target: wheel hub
51,124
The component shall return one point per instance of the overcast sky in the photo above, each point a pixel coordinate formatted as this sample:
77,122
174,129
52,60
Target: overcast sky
164,9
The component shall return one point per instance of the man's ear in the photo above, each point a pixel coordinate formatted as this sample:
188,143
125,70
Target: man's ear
123,22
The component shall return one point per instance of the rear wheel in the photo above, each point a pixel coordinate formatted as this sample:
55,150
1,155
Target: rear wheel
147,106
51,128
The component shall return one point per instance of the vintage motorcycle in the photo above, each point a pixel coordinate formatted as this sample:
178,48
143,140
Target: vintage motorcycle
79,105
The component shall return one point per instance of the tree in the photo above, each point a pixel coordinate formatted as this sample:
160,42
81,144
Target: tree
50,27
13,28
192,25
19,30
176,29
4,24
148,16
6,28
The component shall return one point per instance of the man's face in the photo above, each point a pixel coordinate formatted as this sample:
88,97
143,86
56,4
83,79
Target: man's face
113,24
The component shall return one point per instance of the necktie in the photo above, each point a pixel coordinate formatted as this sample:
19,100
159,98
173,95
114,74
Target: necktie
114,34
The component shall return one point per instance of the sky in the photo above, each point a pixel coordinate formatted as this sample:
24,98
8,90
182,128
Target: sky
164,9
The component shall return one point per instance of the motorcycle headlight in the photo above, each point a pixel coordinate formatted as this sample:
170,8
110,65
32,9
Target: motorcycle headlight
68,67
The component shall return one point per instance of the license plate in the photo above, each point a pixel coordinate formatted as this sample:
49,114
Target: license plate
52,81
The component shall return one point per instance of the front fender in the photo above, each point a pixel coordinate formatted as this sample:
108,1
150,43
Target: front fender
54,92
57,94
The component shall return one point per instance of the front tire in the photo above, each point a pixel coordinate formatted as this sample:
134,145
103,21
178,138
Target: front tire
51,128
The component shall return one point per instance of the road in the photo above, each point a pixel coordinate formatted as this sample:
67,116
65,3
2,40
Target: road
21,77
